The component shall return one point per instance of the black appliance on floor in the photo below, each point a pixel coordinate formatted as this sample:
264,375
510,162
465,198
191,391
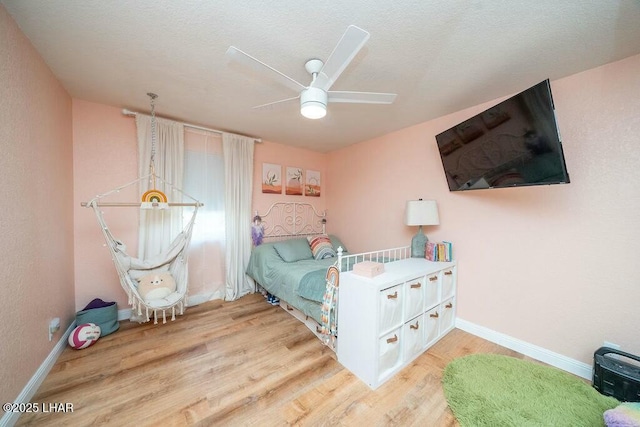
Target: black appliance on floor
615,376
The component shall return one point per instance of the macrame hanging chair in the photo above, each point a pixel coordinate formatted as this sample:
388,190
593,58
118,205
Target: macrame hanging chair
172,260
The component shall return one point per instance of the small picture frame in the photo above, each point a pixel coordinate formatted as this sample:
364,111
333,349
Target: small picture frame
312,186
271,178
293,186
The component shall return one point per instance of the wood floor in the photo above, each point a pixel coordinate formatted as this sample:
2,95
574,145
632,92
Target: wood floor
239,363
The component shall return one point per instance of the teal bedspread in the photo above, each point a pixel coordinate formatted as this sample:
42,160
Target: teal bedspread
283,279
313,284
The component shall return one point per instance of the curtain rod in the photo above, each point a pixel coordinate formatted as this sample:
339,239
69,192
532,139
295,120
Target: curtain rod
133,113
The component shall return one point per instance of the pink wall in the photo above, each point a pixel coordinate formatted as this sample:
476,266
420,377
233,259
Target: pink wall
370,182
36,222
553,266
270,152
104,157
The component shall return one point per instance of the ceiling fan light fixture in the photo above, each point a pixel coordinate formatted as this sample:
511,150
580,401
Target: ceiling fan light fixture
313,103
313,110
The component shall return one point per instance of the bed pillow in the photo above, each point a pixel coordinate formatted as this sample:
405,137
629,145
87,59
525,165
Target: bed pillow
321,246
336,242
293,250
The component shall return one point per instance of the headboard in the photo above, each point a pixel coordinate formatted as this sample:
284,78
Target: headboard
290,219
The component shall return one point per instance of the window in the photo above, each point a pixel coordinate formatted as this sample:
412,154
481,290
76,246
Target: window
204,180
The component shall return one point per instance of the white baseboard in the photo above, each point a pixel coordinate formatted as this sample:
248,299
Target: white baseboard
124,314
543,355
10,418
202,298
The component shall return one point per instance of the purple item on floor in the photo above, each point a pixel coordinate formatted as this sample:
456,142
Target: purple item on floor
98,303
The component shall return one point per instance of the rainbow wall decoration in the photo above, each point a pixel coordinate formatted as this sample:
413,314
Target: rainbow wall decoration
153,195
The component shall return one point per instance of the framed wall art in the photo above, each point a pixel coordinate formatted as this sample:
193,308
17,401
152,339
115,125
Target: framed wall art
312,183
271,178
293,185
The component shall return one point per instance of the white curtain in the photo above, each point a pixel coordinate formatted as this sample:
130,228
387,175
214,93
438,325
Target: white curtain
204,180
238,162
158,228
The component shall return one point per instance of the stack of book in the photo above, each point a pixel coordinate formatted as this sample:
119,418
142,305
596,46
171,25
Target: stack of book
439,251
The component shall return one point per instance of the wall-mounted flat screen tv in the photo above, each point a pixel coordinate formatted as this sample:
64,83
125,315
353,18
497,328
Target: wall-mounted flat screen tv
515,143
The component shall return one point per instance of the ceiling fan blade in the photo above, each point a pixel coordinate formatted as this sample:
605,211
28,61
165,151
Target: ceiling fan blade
274,104
347,48
361,97
243,58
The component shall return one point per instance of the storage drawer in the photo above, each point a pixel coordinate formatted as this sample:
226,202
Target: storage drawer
432,324
448,311
431,290
414,297
390,304
389,352
447,283
413,337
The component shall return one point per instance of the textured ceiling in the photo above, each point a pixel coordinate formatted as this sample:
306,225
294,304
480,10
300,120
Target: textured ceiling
438,56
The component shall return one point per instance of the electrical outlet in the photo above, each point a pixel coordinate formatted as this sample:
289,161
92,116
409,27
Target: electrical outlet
54,326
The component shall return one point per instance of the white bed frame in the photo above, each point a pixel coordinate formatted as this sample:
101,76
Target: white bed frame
286,220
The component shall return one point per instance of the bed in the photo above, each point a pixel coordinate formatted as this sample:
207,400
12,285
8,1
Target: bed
284,261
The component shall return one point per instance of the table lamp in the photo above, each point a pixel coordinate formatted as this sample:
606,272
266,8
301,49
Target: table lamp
420,212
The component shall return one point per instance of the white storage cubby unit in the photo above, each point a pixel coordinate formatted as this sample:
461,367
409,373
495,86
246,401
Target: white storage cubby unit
385,322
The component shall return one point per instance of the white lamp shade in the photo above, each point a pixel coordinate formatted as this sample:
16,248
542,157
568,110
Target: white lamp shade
421,212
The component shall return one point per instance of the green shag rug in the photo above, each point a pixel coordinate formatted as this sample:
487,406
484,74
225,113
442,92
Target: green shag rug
493,390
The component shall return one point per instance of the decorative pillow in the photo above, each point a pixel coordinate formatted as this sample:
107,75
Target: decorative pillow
293,250
321,246
336,242
156,286
625,415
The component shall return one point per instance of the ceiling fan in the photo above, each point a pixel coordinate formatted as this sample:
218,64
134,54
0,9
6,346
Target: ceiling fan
315,96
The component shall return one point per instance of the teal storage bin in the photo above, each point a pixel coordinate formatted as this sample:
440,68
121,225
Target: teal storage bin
101,313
